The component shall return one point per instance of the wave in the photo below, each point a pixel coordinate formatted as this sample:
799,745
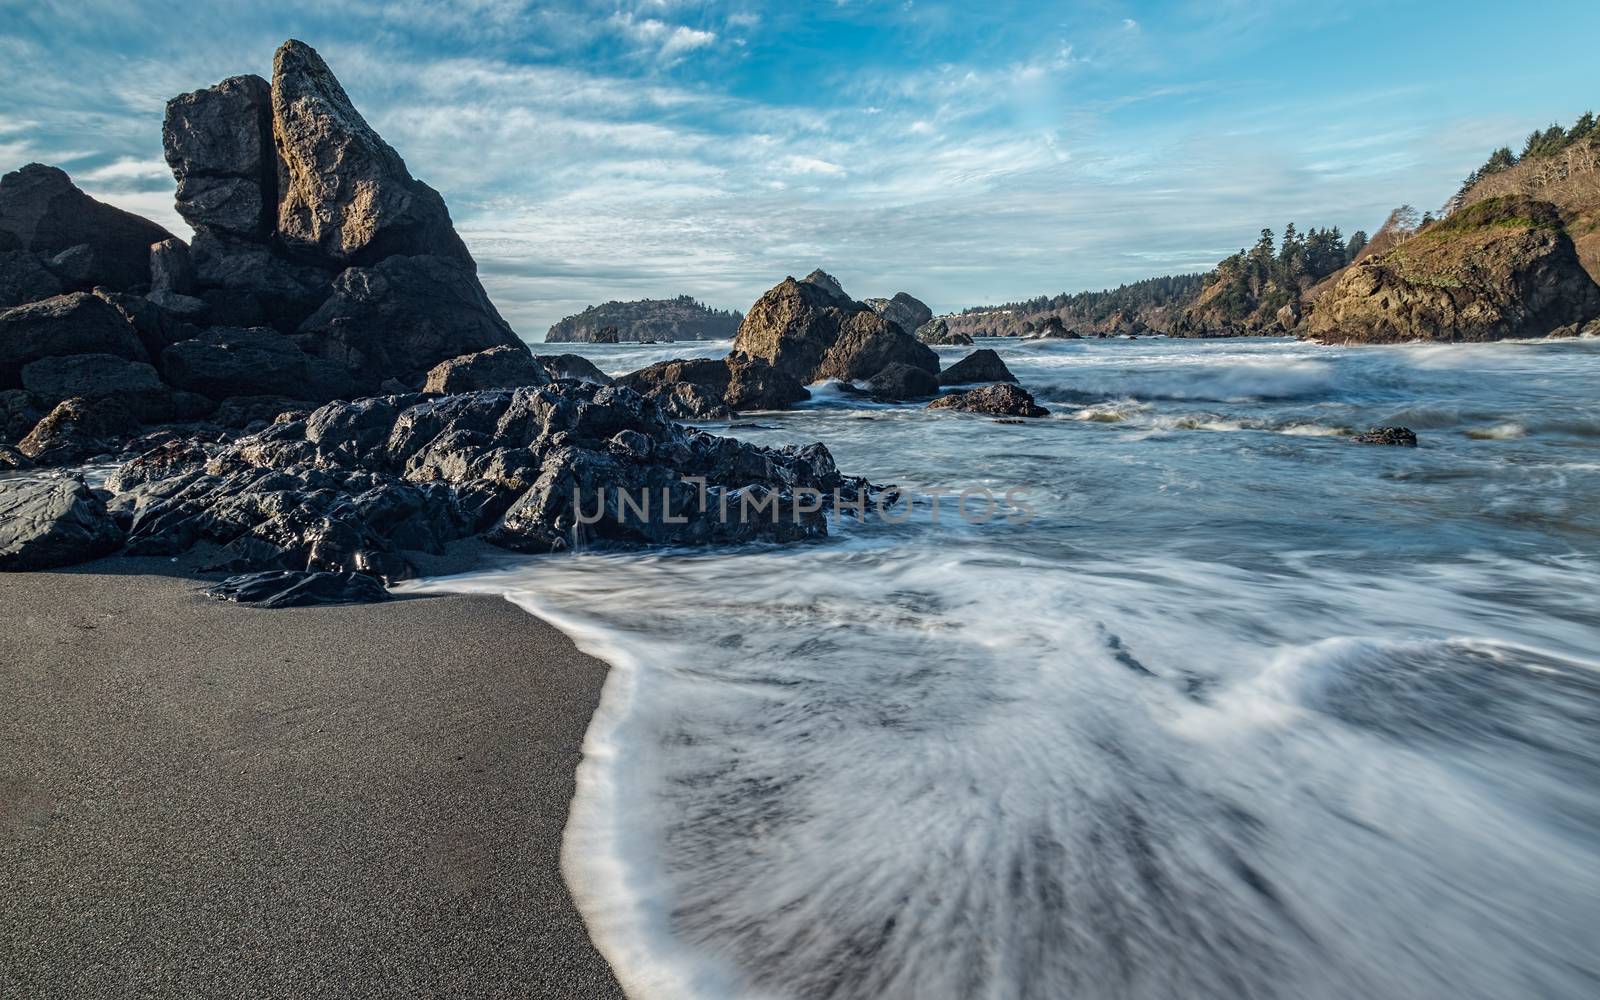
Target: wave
1221,381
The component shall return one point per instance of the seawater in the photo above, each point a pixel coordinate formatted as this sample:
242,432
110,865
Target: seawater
1245,709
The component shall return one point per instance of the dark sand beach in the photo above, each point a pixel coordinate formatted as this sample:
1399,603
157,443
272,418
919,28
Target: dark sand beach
202,799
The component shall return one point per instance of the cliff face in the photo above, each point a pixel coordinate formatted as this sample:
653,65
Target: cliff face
1501,268
1569,180
680,318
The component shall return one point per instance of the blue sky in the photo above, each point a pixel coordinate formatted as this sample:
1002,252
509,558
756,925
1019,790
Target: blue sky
965,152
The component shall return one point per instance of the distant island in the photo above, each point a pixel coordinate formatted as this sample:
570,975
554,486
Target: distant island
680,318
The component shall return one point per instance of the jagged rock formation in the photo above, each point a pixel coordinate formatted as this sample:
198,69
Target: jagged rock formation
664,320
1001,399
904,310
83,242
1053,329
937,333
812,331
496,368
1502,268
712,389
979,366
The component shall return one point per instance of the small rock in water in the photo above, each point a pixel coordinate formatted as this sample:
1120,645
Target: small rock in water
299,588
1400,437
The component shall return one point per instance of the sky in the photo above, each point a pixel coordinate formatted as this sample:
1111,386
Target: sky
967,153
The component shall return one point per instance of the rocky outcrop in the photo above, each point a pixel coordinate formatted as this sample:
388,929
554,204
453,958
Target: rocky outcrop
937,333
77,323
24,278
496,368
979,366
353,487
899,382
756,385
1053,329
1002,399
1401,437
78,429
133,384
904,310
712,388
298,589
572,366
660,320
258,361
49,217
218,142
811,331
1503,268
53,523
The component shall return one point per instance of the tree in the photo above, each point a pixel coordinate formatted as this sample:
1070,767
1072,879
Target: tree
1582,128
1358,243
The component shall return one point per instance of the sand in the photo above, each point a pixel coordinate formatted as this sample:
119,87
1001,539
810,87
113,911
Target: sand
201,799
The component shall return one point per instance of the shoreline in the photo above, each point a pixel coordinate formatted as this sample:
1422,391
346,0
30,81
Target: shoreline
197,799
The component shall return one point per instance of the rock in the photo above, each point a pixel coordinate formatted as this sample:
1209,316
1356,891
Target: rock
710,374
13,460
76,323
810,331
18,414
1504,267
280,291
572,366
24,278
238,412
496,368
755,385
74,267
689,401
184,307
1053,329
402,317
171,269
134,384
344,194
936,333
979,366
828,283
78,429
902,381
1288,316
230,361
606,335
218,142
47,214
56,522
156,326
1001,399
299,588
904,311
1401,437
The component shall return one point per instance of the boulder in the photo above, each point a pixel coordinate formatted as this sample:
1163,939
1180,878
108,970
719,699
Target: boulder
156,326
755,385
902,381
218,142
810,331
344,195
12,460
403,316
710,388
268,287
936,333
606,335
979,366
1399,437
134,384
572,366
78,429
1001,399
257,361
496,368
171,269
75,268
1053,329
76,323
18,414
57,522
710,374
239,412
908,313
299,588
47,214
1504,267
828,283
24,278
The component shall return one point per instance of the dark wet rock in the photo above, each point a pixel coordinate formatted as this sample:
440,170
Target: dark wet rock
156,327
497,368
689,401
237,412
165,460
404,316
281,291
183,307
47,214
229,361
24,278
710,374
606,335
298,588
572,366
12,459
77,429
354,486
905,311
902,381
1053,329
812,332
18,413
171,269
1402,437
1000,399
56,522
75,268
755,385
936,333
76,323
344,194
218,142
134,384
980,366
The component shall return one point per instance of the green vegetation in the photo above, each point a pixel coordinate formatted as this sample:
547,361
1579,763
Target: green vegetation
1541,143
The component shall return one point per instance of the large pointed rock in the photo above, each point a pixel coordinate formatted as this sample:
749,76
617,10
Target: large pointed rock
44,212
811,330
345,195
906,311
218,142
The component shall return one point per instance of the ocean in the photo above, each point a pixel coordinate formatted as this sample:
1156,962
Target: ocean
1236,707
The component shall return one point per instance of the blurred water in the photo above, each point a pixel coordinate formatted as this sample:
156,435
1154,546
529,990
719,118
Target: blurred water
1246,709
